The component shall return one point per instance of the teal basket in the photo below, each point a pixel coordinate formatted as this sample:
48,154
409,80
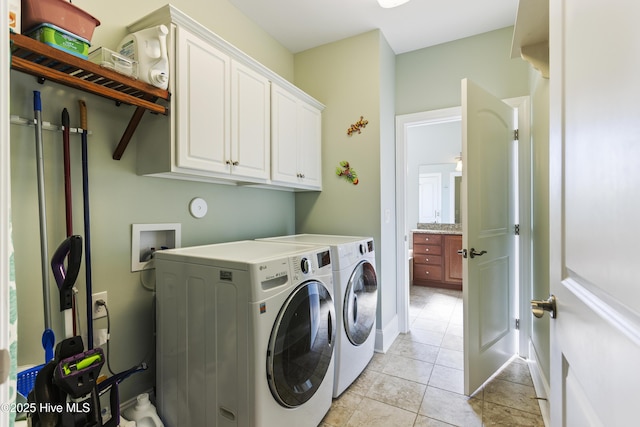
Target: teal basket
27,379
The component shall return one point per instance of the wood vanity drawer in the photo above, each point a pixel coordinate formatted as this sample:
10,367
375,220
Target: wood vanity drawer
427,259
427,239
427,250
427,272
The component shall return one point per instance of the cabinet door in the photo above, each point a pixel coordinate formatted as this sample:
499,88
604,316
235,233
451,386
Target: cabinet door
310,145
202,105
284,131
452,260
250,123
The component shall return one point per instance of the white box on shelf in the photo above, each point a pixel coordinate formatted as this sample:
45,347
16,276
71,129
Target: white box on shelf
114,61
15,16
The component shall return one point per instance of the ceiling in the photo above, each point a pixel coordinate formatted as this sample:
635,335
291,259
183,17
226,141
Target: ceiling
303,24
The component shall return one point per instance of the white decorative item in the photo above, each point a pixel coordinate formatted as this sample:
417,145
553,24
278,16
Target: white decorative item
198,207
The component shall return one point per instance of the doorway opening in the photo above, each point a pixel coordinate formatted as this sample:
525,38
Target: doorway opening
406,127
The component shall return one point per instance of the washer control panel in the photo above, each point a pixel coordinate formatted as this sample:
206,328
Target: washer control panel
312,262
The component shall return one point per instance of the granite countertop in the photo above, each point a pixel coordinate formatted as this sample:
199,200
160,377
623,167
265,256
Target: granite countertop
438,228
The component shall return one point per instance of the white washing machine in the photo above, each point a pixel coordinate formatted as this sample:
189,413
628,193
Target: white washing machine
355,285
245,335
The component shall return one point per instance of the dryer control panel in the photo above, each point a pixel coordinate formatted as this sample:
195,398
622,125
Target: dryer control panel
307,264
366,247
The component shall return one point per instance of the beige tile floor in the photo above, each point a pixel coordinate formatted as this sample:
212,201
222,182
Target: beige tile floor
419,381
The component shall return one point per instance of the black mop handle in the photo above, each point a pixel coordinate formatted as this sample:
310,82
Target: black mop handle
87,225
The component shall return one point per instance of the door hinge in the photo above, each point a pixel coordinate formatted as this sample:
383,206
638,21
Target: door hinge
518,324
515,135
516,229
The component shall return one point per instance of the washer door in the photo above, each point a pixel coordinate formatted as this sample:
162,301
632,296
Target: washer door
360,303
301,344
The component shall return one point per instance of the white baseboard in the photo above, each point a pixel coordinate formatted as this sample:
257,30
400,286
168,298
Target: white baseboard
386,336
543,390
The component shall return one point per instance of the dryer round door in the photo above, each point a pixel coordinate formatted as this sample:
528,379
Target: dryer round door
360,303
301,344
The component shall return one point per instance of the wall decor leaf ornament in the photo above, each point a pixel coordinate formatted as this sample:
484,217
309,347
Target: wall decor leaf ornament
347,172
357,126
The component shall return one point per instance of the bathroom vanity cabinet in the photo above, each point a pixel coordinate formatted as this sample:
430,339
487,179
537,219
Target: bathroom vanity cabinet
436,261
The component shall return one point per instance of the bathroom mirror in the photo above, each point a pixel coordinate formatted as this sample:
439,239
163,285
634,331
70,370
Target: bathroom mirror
433,148
439,193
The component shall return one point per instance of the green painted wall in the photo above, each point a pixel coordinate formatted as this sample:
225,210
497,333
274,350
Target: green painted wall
218,15
345,76
354,77
429,79
387,212
120,198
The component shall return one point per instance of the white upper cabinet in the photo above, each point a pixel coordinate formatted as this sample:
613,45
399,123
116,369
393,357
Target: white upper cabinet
222,112
203,104
296,141
310,146
223,122
250,123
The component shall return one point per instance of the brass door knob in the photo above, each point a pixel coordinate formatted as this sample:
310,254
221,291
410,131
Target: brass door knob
538,307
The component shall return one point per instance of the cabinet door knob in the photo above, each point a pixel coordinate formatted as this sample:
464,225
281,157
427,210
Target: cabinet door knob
235,163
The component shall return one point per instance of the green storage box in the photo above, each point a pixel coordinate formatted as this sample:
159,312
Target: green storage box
61,39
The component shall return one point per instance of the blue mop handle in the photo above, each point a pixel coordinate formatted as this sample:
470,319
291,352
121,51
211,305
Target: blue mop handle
48,337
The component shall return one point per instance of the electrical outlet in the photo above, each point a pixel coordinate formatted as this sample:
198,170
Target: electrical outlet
99,310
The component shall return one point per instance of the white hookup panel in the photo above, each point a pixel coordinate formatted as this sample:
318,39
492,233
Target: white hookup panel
146,238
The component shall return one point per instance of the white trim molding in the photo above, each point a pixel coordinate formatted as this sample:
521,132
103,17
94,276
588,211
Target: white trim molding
385,337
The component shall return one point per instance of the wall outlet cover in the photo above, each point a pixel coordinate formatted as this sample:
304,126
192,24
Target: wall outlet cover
99,311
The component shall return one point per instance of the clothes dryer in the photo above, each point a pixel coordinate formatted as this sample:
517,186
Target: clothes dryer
356,300
245,335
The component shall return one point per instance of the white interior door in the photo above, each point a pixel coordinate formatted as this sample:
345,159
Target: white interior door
594,210
488,207
429,187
